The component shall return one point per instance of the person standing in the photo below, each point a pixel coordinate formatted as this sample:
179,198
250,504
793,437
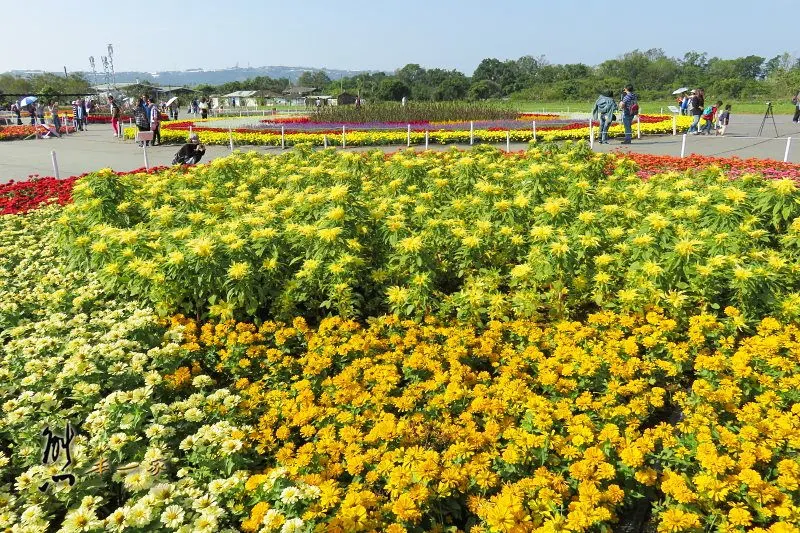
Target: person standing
155,122
630,108
40,112
203,108
83,113
31,108
796,102
55,117
697,103
17,112
141,117
724,119
603,110
115,114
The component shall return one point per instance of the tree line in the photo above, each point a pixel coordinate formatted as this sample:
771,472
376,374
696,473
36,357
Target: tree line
654,75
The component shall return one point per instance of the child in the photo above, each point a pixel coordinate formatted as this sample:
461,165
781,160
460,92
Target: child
708,115
723,119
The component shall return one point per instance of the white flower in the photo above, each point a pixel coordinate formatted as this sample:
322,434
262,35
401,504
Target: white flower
116,520
205,523
172,516
81,519
272,519
216,486
187,443
138,481
140,515
202,381
204,501
193,414
162,492
293,525
311,492
31,514
117,441
231,446
290,495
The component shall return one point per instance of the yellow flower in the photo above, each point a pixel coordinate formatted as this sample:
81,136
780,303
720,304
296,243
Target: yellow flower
238,271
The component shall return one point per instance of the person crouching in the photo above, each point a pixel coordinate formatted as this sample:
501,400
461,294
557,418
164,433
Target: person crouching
191,152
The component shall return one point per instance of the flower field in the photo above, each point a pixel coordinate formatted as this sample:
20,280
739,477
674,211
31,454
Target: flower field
13,133
441,341
360,135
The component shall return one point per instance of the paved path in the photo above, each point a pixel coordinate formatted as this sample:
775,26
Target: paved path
97,148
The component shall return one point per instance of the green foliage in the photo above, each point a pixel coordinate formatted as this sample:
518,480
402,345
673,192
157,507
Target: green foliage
474,234
414,112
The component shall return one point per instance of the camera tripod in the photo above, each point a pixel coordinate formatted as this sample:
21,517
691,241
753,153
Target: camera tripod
768,114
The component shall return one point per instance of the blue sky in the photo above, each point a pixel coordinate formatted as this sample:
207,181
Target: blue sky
377,35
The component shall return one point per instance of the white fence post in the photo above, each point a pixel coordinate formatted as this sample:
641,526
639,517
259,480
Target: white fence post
683,146
591,135
283,138
408,136
426,139
674,125
324,140
230,138
144,149
508,141
471,132
344,141
534,131
786,153
638,128
55,163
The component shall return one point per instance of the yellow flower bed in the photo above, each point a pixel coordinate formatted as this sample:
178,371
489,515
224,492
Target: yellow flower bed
401,426
377,138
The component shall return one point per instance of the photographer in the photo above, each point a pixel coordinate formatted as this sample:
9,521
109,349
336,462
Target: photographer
191,152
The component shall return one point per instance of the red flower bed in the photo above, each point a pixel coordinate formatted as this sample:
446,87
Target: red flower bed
26,195
12,133
654,164
23,196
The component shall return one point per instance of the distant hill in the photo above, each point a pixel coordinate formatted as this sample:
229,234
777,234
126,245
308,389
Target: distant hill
211,77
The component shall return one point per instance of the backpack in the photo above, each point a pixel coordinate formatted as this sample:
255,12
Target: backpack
708,111
140,118
633,108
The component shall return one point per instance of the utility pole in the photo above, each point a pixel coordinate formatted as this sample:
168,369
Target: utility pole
111,63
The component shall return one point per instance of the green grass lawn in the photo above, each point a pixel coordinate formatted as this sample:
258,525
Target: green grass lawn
758,108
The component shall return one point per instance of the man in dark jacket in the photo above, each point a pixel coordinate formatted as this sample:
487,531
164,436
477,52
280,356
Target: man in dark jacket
697,104
191,152
603,111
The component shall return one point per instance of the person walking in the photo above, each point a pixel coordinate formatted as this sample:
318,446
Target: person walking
708,115
796,102
155,122
40,112
141,117
17,113
723,120
630,108
115,115
56,119
697,104
84,113
603,110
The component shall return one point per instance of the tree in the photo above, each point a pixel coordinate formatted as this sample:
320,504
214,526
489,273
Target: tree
483,89
392,90
317,79
453,87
